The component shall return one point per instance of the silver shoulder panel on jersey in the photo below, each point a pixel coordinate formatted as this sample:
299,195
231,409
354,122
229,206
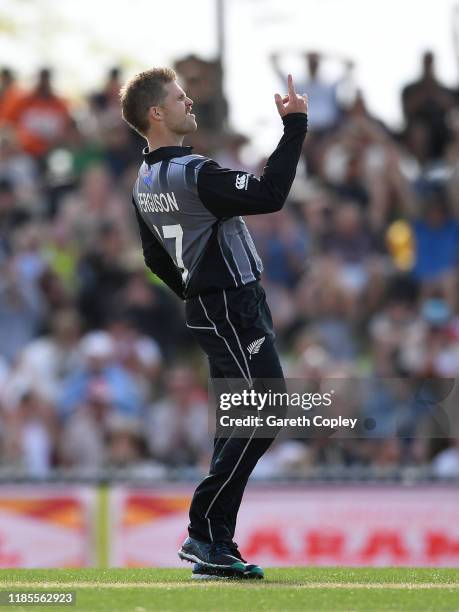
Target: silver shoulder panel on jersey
185,159
188,167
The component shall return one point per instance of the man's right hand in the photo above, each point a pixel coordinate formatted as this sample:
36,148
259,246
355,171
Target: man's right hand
291,103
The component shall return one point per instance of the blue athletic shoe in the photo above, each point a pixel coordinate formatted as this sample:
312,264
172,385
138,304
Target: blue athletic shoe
214,554
235,551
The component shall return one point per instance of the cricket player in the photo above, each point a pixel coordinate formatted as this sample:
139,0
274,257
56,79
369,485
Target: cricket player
189,211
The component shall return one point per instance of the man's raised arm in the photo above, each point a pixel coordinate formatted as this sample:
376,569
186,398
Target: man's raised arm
227,193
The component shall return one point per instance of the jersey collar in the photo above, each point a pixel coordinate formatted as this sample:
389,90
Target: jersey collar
152,157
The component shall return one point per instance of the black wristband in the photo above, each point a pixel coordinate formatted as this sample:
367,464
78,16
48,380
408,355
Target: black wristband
296,119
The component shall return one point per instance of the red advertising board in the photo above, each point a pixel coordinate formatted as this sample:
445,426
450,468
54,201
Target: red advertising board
45,526
304,525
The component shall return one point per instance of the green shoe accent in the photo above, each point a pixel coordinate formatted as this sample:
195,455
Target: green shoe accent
256,571
238,567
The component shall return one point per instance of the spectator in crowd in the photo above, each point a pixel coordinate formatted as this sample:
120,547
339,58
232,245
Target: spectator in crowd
96,204
126,445
360,161
102,275
61,251
139,354
98,366
331,325
108,97
177,426
10,94
153,312
436,234
202,81
283,250
83,443
348,250
432,349
18,169
426,103
21,311
30,435
50,358
12,216
393,326
41,117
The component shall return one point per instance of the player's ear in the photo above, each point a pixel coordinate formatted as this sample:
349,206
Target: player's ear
155,113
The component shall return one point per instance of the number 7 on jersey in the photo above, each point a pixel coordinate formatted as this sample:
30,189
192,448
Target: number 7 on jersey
176,232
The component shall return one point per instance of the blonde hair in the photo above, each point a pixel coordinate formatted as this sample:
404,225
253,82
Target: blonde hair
140,93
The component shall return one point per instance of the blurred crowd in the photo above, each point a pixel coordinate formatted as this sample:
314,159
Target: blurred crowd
97,369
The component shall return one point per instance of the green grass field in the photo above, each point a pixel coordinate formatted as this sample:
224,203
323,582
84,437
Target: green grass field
142,590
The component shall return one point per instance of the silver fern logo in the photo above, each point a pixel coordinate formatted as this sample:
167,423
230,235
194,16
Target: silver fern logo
254,347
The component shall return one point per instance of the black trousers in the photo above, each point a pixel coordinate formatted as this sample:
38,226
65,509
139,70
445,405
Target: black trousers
226,324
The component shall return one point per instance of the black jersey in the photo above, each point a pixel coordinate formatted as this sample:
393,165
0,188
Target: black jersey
189,213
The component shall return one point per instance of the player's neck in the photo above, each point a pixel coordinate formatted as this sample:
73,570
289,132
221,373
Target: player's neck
155,141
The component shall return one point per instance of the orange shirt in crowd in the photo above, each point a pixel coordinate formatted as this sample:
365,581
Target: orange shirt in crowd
9,100
40,121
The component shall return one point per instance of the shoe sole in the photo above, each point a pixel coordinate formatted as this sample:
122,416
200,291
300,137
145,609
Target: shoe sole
210,577
255,573
238,567
230,578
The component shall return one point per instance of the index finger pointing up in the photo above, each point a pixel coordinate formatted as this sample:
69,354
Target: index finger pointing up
291,87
